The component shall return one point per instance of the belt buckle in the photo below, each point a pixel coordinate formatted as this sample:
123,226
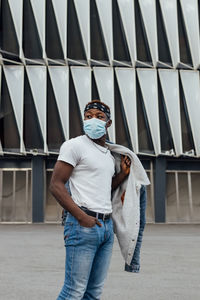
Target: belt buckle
104,217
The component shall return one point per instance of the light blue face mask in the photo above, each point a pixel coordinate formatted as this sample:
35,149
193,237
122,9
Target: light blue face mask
94,128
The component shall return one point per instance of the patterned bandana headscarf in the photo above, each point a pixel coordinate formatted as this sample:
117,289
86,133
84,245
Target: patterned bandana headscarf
98,105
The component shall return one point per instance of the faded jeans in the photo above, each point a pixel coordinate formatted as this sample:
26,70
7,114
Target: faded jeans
88,254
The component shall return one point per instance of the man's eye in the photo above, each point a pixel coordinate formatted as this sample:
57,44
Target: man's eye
100,117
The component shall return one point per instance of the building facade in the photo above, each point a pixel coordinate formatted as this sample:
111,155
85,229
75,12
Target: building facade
141,57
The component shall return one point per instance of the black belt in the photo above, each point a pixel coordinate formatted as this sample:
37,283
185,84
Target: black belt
96,214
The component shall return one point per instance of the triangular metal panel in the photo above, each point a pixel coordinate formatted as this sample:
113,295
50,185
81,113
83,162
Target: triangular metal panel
149,88
38,82
148,9
128,19
15,82
170,87
127,85
191,18
83,13
191,88
105,84
16,8
169,13
60,9
60,82
105,14
39,13
82,82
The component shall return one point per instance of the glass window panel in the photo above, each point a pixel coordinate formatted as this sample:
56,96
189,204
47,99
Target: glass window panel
53,42
150,208
20,197
7,197
53,210
184,209
195,178
98,47
31,40
171,198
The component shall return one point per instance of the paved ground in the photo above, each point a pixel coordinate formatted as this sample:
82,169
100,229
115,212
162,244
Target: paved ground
32,260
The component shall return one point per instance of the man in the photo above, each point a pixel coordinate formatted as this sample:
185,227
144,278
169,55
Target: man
90,168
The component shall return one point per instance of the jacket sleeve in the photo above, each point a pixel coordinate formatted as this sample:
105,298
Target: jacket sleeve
134,267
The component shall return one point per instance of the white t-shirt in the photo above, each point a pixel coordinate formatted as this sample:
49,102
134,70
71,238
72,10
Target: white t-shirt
91,179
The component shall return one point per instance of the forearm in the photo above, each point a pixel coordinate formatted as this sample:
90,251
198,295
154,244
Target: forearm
117,180
62,196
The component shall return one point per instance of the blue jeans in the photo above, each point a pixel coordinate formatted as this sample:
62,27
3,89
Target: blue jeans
88,254
135,262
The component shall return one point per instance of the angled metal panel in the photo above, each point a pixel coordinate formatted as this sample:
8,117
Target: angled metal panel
38,82
169,13
105,14
128,18
191,18
148,9
170,87
82,81
39,13
15,82
16,8
83,13
191,88
149,88
127,85
105,85
60,82
60,9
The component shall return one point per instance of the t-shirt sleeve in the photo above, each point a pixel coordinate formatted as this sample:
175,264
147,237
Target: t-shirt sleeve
69,153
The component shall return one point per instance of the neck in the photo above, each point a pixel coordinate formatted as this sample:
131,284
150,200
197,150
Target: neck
101,141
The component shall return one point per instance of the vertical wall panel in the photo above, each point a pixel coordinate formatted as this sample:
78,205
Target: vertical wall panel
60,9
191,88
191,18
60,82
82,82
128,19
169,13
149,89
83,12
16,10
15,82
148,9
127,85
105,15
170,88
105,85
37,77
1,150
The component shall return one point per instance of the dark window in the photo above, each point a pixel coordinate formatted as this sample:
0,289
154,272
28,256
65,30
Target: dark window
53,42
55,136
75,120
165,131
121,127
95,93
143,51
144,135
98,47
75,48
187,138
32,132
185,55
163,46
31,41
9,134
121,52
8,38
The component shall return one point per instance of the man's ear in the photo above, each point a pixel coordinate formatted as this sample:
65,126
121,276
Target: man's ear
109,123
